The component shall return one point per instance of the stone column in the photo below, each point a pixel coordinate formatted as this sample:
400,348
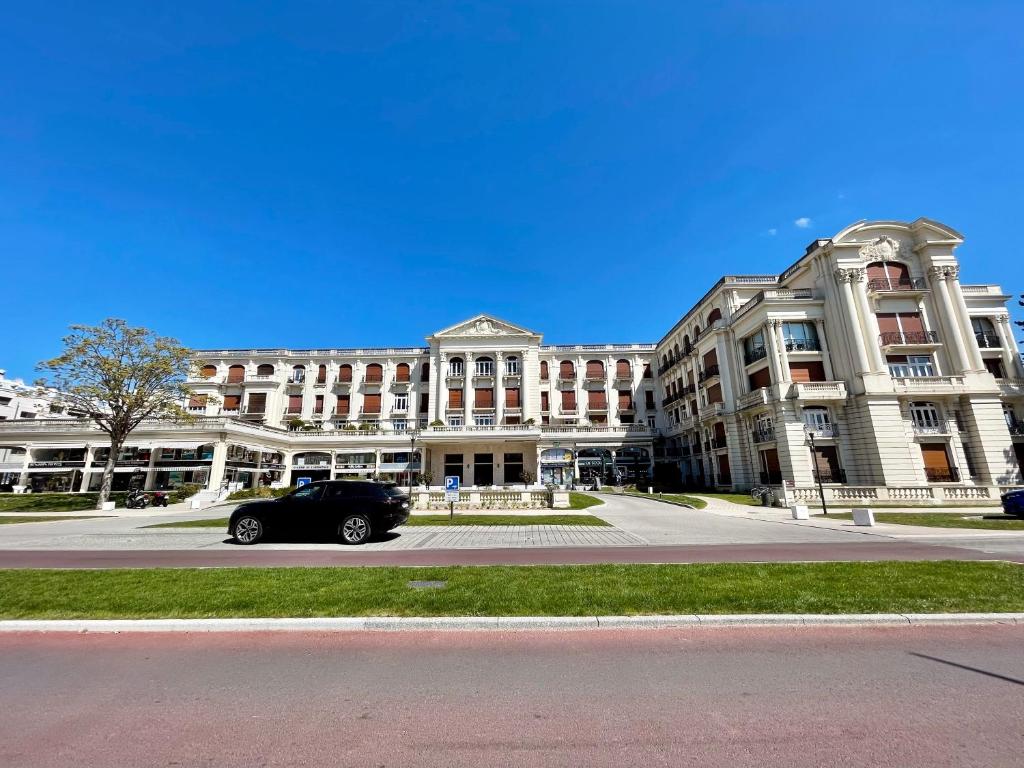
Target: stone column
845,278
150,470
868,320
771,339
1011,358
938,275
499,388
220,454
783,352
87,469
826,358
467,391
437,410
967,330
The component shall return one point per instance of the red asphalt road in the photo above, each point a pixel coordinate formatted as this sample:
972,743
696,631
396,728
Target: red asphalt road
795,697
710,553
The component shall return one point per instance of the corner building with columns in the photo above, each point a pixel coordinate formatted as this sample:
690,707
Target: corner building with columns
865,365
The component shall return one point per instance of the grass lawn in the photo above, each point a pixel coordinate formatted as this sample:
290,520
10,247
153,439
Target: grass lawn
40,519
52,502
992,521
584,590
674,498
582,500
735,498
420,520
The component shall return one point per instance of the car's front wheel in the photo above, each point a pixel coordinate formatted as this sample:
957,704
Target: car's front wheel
355,529
248,530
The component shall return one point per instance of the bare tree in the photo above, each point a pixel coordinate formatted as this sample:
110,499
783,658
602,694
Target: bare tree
120,376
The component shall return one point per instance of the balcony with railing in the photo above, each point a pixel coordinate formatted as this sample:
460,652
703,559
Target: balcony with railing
834,477
711,410
908,338
942,474
710,372
764,435
897,284
803,345
989,340
1017,429
594,382
761,396
343,384
928,385
819,390
257,378
751,356
930,428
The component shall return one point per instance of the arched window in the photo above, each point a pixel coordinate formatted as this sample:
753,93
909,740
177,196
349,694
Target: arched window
675,353
696,332
236,373
623,369
321,374
208,371
345,373
455,367
888,276
544,370
566,370
484,366
298,374
595,369
425,371
265,369
402,371
686,344
512,365
715,314
374,373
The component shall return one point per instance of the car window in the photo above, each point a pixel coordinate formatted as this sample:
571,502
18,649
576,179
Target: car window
338,491
394,490
308,492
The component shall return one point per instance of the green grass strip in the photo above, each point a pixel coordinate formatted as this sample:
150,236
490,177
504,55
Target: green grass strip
992,521
671,498
420,520
41,519
583,500
584,590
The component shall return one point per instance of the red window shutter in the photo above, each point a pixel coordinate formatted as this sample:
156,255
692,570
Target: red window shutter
257,402
623,370
566,370
484,398
236,373
197,401
760,378
595,369
807,371
625,400
374,373
911,322
318,404
568,400
887,322
232,402
294,402
512,397
371,403
454,398
715,394
711,358
343,405
207,371
545,402
321,374
597,399
345,373
876,271
402,372
543,370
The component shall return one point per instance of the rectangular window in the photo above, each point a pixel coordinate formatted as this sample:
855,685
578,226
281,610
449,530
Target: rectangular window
424,402
545,402
294,404
318,404
647,371
800,337
483,421
484,367
401,402
371,403
453,465
455,398
714,394
649,399
399,425
568,401
994,366
911,365
454,421
342,408
512,397
425,372
513,467
807,371
596,401
625,400
760,378
483,398
651,422
257,403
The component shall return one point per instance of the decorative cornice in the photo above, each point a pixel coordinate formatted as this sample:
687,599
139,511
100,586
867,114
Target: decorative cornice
853,275
944,272
882,249
1004,318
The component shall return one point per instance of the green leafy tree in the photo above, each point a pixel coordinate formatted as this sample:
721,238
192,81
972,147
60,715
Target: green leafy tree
119,376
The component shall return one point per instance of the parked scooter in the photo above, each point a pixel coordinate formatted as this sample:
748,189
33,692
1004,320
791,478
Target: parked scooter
158,499
136,499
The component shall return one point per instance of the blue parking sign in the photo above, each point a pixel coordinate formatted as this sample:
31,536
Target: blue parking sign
451,488
299,482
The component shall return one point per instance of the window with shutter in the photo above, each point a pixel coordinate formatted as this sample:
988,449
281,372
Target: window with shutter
625,401
566,370
232,402
595,369
887,322
371,403
714,394
512,397
807,371
597,400
760,378
568,400
545,402
623,370
294,403
197,401
236,373
711,358
321,374
257,403
208,371
318,404
265,369
910,322
648,374
342,408
483,398
345,373
543,370
402,372
454,398
374,373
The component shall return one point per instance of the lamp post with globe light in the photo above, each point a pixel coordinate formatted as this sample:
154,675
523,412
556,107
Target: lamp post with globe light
814,468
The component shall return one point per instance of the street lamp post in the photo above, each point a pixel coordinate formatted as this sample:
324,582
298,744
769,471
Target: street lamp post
412,447
814,468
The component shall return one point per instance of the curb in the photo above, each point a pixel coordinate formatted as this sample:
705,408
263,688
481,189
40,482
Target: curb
504,623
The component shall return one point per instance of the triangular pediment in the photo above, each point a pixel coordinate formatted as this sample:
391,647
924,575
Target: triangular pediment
483,326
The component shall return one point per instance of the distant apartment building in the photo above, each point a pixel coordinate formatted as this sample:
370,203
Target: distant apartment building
909,384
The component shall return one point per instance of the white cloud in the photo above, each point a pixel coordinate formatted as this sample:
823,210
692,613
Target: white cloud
773,231
803,222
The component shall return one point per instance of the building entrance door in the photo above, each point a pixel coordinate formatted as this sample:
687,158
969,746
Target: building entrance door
483,469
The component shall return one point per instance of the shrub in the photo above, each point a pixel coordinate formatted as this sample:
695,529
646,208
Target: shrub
183,492
263,492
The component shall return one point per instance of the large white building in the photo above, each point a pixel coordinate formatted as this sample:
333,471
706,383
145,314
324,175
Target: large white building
911,383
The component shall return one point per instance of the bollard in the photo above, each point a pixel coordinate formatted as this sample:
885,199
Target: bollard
863,516
800,512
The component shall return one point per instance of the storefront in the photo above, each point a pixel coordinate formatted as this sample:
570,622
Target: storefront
311,466
632,463
398,467
556,466
355,466
596,465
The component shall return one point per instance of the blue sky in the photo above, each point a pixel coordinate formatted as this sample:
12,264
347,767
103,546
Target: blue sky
342,174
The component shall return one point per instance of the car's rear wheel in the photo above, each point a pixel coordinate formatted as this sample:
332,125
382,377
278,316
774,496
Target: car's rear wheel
248,530
355,529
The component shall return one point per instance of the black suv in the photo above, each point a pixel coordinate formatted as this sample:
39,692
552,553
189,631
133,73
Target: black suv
350,510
